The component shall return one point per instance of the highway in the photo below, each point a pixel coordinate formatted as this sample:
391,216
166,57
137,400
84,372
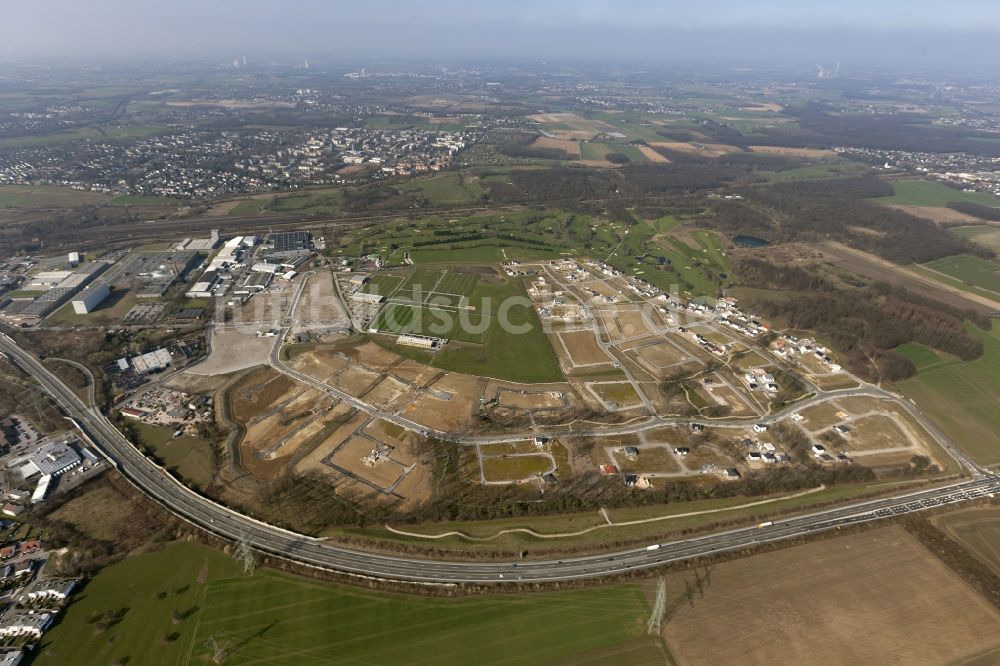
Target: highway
221,521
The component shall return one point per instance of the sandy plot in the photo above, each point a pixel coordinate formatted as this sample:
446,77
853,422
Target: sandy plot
582,348
651,154
601,287
840,601
383,473
938,214
875,432
267,433
372,356
318,363
632,323
821,416
414,372
694,148
290,445
233,349
448,403
662,354
259,392
861,404
388,393
523,399
571,148
732,399
794,152
353,379
621,394
313,461
319,306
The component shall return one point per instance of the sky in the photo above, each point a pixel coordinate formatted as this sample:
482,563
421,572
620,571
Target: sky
753,31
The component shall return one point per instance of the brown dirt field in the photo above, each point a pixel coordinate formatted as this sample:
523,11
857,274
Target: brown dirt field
763,106
259,392
875,432
652,155
223,208
794,152
314,460
351,169
733,400
415,372
571,148
531,399
583,348
839,601
388,393
860,263
632,323
354,380
978,530
821,416
272,429
705,455
372,356
233,349
704,149
621,393
319,363
319,306
197,384
453,414
383,474
938,214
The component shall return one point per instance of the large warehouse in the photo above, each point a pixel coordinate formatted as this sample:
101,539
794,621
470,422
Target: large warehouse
91,297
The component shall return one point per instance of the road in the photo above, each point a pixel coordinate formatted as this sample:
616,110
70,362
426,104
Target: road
221,521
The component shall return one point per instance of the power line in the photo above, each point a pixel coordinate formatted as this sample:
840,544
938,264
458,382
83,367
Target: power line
653,627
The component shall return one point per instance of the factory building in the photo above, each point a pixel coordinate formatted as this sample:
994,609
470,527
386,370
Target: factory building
91,297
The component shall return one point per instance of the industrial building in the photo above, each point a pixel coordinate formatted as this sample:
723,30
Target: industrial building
289,244
73,258
52,458
421,341
91,297
205,286
153,361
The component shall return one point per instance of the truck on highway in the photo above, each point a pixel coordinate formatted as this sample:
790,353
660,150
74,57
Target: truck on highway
655,546
766,524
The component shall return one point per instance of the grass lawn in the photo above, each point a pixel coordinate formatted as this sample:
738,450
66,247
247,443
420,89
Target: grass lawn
46,196
514,468
144,200
191,457
272,618
962,397
986,235
108,313
980,274
931,193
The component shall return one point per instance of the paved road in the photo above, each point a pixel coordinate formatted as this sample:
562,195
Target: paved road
155,482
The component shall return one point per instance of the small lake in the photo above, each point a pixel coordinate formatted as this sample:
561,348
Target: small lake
750,241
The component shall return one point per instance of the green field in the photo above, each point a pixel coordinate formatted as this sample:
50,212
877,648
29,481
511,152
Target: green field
962,397
590,150
931,193
46,196
979,274
144,200
272,618
461,308
192,458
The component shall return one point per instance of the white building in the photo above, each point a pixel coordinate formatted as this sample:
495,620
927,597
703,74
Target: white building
25,624
88,299
73,258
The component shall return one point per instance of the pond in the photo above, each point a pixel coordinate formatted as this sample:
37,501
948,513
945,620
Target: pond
750,241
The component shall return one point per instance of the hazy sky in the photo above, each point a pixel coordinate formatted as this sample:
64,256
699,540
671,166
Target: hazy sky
897,31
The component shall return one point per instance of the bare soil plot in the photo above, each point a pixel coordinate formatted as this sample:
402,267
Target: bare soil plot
354,379
875,432
822,415
372,356
651,155
384,473
515,468
703,456
839,601
694,148
319,306
314,460
794,152
447,404
414,372
523,399
259,392
582,348
571,148
233,349
318,363
662,354
622,394
724,395
388,393
977,529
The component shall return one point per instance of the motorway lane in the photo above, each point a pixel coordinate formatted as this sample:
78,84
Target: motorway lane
221,521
